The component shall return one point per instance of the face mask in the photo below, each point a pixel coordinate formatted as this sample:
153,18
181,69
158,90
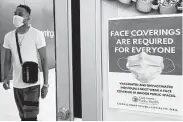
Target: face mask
145,67
18,21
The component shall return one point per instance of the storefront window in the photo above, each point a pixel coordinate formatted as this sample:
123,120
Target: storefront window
42,18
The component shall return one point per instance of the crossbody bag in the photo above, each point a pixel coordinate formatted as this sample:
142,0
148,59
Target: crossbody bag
29,68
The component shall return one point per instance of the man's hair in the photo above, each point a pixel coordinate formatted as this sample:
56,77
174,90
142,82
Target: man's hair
27,8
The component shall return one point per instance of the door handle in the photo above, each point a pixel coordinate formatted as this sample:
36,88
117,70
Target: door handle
63,114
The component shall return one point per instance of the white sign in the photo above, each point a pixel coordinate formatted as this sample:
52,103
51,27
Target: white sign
145,64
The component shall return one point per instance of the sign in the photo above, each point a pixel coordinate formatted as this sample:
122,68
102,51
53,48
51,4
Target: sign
145,64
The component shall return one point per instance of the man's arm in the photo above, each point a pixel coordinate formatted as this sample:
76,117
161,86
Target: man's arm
44,63
7,64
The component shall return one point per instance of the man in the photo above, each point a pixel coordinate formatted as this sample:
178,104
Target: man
32,43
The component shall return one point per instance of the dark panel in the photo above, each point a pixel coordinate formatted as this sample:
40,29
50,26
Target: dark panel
76,58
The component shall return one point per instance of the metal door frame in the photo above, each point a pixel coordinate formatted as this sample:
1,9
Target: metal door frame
91,53
63,49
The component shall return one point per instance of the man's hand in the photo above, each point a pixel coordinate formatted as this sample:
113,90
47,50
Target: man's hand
44,91
44,63
6,84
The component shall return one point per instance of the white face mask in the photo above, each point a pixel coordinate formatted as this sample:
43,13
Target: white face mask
145,67
18,21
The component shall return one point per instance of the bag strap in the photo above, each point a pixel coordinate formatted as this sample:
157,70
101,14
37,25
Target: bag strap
18,47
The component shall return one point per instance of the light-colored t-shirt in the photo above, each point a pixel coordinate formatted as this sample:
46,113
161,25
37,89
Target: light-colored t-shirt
29,42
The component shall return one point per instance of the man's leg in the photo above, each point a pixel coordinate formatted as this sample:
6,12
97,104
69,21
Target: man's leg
31,103
30,119
18,95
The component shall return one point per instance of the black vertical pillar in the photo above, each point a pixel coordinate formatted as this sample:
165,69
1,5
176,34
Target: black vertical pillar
0,65
76,58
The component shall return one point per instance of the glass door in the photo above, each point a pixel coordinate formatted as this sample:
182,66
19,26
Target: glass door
119,49
130,32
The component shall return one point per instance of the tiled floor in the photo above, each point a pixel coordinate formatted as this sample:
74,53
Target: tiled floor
8,110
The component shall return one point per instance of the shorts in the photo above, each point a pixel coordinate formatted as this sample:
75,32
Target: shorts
27,101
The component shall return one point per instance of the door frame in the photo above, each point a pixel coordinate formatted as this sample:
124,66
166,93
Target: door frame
63,49
91,60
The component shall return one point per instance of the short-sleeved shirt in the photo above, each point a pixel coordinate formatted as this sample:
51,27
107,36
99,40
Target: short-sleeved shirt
30,42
